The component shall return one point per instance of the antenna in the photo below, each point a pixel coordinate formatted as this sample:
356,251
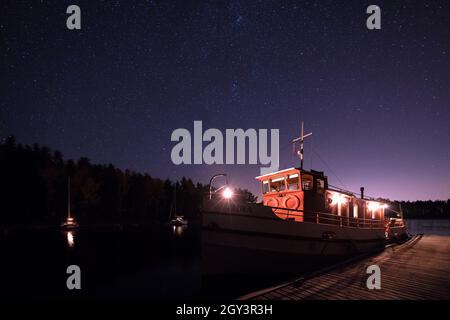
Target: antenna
301,139
175,196
68,199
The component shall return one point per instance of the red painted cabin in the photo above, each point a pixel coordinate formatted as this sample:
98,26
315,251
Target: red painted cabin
308,192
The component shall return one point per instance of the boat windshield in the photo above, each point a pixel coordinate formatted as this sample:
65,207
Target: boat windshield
278,184
292,182
307,182
320,186
265,186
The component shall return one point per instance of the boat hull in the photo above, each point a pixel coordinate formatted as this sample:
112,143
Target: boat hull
255,262
250,239
397,234
69,226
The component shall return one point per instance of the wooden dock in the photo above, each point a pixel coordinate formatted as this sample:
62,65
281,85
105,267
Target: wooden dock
416,270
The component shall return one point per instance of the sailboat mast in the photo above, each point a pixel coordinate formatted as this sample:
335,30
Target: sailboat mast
175,203
68,199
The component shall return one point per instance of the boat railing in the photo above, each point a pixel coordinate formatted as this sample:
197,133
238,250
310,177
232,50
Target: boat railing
327,218
317,217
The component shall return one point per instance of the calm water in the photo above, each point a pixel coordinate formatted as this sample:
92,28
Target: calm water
429,227
129,262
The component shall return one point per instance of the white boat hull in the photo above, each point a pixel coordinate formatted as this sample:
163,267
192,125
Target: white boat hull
250,238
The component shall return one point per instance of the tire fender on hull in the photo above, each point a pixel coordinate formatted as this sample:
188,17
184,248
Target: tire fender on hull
291,202
272,202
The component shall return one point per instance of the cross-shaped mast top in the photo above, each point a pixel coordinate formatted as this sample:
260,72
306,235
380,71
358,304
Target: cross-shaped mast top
301,139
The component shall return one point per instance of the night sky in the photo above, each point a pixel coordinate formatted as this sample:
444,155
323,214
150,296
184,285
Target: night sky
376,101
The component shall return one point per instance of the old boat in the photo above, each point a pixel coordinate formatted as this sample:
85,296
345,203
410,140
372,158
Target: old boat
302,220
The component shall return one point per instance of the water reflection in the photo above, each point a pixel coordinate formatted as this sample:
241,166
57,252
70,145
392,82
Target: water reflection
178,230
70,235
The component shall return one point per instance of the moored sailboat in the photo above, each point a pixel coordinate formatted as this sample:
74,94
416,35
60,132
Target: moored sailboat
70,222
176,220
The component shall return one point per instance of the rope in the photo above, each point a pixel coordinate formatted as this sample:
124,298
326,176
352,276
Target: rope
329,168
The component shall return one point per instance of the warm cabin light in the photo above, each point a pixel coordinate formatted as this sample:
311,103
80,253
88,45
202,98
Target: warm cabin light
334,199
338,199
374,206
342,199
384,206
227,193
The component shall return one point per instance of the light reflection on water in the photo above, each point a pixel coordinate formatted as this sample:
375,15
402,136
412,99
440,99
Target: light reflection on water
70,235
151,261
178,230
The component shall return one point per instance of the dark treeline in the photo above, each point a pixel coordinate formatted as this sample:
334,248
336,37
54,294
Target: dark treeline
33,190
426,209
34,183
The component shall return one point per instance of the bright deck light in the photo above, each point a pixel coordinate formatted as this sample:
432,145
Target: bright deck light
338,199
374,206
227,193
334,199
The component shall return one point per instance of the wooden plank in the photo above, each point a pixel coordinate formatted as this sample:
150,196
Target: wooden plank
419,269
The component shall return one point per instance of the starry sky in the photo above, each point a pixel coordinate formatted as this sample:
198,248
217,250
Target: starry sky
377,102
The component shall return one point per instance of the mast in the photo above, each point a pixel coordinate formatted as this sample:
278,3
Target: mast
173,203
68,199
301,139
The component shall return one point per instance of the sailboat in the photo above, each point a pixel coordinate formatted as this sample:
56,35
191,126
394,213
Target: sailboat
175,219
70,222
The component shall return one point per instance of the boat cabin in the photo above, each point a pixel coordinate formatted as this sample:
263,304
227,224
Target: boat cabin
294,189
300,195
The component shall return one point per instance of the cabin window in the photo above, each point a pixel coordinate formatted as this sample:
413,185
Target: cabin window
320,185
265,186
278,184
292,182
307,182
355,210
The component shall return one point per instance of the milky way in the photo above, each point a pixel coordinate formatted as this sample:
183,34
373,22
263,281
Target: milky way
377,101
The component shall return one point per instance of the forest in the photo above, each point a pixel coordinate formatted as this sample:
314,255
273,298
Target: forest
34,183
34,180
426,209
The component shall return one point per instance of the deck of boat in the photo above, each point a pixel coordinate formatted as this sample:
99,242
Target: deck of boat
418,269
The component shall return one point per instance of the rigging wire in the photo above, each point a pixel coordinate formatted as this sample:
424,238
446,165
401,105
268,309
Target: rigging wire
329,168
286,144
